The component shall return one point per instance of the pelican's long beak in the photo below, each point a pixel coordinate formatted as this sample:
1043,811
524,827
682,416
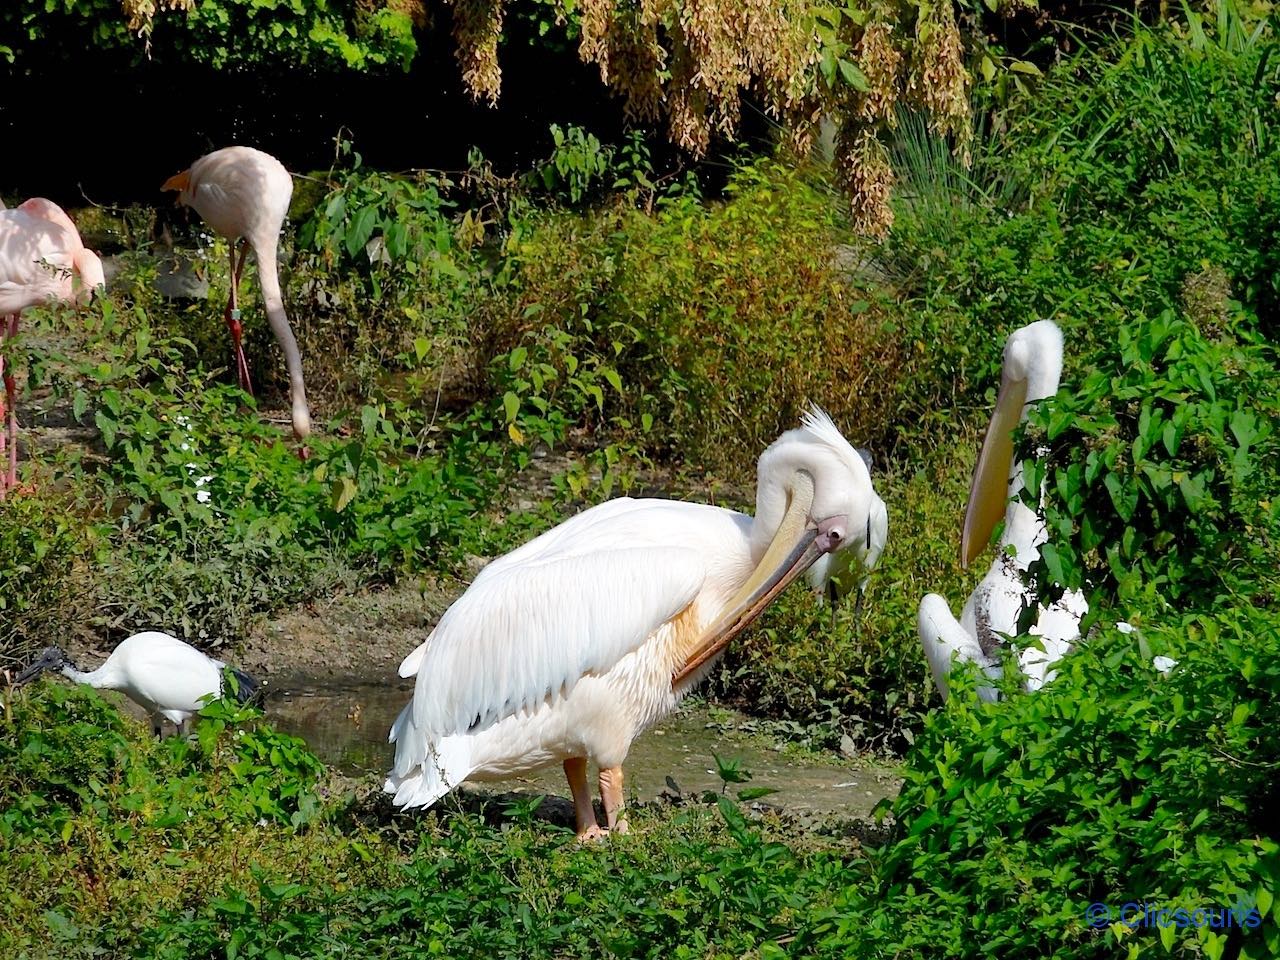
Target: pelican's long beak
989,492
794,548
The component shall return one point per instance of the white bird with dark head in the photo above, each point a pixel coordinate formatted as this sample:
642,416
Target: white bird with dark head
567,648
1031,370
160,673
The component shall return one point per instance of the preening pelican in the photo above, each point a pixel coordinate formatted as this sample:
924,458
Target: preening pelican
564,650
244,194
160,673
1031,370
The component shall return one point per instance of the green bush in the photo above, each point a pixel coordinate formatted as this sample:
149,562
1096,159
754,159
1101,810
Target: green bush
718,322
1164,470
1113,784
42,545
101,824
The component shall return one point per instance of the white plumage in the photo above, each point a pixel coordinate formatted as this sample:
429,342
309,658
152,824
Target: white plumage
568,647
1031,371
160,673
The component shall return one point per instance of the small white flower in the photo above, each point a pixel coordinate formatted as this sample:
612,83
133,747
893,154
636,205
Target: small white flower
1164,664
1124,627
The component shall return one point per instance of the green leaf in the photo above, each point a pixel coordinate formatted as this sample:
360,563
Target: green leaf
828,66
989,759
361,230
1124,496
510,405
854,77
341,493
107,426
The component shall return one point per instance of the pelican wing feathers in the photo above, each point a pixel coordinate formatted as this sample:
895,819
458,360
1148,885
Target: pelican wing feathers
568,604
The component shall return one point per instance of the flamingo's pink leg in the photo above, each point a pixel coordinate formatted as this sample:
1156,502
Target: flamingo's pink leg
4,480
12,426
233,319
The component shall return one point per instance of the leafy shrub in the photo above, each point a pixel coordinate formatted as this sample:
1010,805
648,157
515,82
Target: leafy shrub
684,895
1164,469
41,544
578,164
1112,784
718,322
86,793
202,516
1174,142
90,760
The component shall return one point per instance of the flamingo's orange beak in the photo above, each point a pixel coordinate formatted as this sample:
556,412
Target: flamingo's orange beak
179,181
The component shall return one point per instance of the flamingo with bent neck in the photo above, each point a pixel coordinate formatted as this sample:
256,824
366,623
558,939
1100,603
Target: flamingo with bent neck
41,254
243,194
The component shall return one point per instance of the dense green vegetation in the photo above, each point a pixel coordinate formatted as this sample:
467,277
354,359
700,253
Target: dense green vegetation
588,308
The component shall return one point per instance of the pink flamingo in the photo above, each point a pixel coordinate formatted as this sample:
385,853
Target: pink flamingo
244,194
40,253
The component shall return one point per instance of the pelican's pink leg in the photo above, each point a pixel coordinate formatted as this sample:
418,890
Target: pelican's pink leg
611,799
575,769
12,425
233,319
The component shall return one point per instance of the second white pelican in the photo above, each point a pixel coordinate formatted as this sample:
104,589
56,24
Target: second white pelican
1031,370
567,648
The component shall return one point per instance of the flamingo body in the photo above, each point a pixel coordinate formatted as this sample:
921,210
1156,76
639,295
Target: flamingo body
244,194
41,258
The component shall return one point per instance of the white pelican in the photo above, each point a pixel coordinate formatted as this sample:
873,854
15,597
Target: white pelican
1032,367
564,650
160,673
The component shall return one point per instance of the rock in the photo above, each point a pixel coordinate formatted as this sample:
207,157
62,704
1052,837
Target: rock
475,564
177,279
847,747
